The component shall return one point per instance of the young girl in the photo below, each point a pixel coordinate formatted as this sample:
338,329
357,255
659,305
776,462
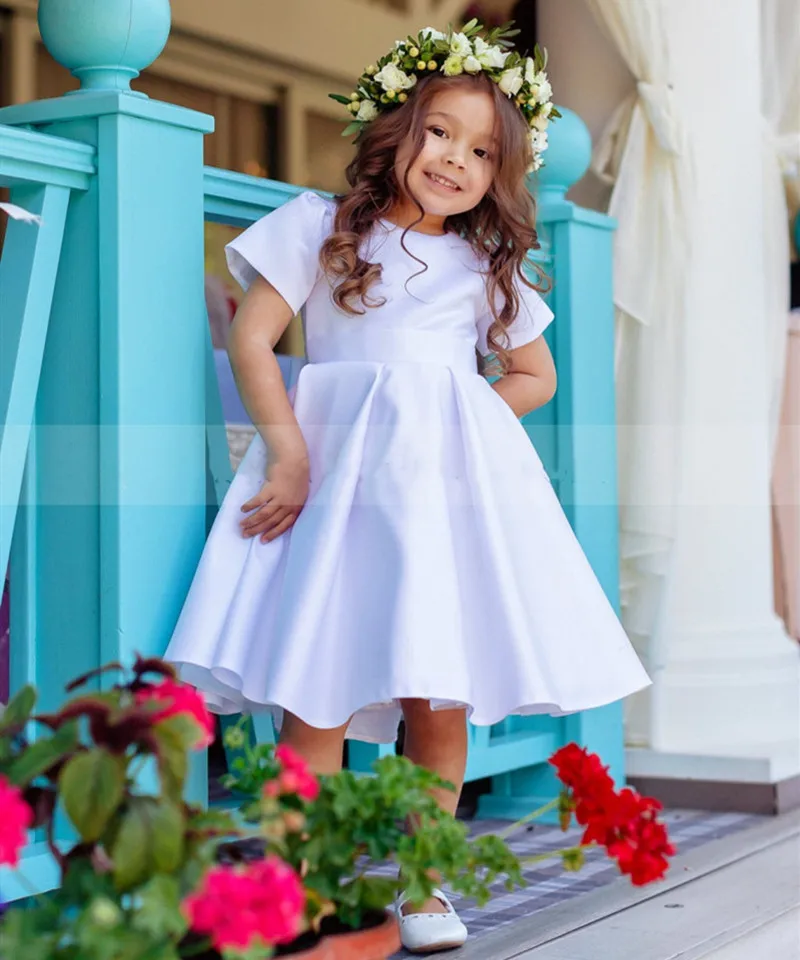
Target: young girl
391,543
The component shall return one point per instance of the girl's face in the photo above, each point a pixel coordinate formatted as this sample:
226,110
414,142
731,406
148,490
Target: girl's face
455,168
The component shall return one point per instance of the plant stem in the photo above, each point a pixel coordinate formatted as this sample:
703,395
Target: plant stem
551,805
553,854
202,947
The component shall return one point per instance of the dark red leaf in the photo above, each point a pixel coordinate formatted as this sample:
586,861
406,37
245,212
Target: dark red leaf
153,665
91,674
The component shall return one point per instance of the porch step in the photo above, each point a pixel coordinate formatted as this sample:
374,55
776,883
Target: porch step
733,899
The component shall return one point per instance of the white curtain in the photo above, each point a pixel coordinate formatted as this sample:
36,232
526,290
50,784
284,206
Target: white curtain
644,154
780,68
780,50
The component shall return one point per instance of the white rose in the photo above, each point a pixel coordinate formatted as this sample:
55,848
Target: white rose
472,65
460,45
511,81
541,122
547,109
391,77
367,111
530,71
490,57
453,66
430,33
544,90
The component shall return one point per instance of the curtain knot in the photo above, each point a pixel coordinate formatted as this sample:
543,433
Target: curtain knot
659,105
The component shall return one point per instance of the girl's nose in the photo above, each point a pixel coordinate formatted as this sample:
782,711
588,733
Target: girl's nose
456,160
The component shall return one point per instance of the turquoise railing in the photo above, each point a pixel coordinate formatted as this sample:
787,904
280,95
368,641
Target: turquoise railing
112,431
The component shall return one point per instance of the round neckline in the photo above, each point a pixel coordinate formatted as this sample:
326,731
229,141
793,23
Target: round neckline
390,225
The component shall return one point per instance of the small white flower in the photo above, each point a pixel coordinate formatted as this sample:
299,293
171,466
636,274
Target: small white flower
511,81
430,33
544,90
367,111
539,141
453,66
530,71
473,65
460,45
547,109
541,122
391,77
491,57
536,165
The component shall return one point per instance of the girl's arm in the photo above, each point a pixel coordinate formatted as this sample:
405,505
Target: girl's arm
259,322
531,380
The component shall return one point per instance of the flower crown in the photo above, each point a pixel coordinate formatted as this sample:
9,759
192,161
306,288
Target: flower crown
383,87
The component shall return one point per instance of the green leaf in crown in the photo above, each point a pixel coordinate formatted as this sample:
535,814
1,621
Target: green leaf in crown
471,51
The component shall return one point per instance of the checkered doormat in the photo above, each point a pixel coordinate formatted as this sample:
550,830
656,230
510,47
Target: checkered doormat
548,883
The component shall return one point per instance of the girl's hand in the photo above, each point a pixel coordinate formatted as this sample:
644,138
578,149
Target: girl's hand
276,507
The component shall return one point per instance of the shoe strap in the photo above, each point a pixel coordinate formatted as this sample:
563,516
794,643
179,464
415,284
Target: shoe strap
436,893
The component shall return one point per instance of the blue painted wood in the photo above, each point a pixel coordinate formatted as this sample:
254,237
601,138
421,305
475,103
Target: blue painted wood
104,44
118,494
27,280
36,159
152,362
239,199
37,872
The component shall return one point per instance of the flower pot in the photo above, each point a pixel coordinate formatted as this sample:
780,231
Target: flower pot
378,940
319,950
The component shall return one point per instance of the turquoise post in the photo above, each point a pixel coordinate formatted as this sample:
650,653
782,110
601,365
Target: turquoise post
117,484
575,434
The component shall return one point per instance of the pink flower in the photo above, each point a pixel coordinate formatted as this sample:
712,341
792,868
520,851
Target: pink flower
262,903
295,776
172,698
15,819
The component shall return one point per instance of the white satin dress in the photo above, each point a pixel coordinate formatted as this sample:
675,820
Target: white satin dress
432,558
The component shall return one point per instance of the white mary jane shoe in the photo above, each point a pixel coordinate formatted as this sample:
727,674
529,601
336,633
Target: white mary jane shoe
430,932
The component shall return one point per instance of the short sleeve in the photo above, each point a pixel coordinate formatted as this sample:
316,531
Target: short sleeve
533,318
283,247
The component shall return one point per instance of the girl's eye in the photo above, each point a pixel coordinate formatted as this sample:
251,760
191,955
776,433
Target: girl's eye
437,131
483,154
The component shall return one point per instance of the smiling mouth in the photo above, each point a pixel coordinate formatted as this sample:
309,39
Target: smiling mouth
443,182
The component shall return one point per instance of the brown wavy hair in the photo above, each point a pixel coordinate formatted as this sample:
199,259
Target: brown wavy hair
500,228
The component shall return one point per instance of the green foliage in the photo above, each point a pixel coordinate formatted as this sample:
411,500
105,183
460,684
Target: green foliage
92,786
359,822
138,853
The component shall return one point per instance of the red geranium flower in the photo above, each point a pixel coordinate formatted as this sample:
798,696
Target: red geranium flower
172,698
239,908
623,822
295,775
15,819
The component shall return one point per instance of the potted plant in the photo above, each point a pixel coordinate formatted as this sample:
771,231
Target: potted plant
334,832
147,876
140,871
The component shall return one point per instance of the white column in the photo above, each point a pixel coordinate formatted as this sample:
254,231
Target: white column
726,678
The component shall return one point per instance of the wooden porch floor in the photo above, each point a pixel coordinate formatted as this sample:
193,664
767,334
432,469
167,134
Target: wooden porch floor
736,897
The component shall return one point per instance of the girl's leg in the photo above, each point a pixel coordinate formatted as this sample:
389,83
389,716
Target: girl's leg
437,740
321,749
